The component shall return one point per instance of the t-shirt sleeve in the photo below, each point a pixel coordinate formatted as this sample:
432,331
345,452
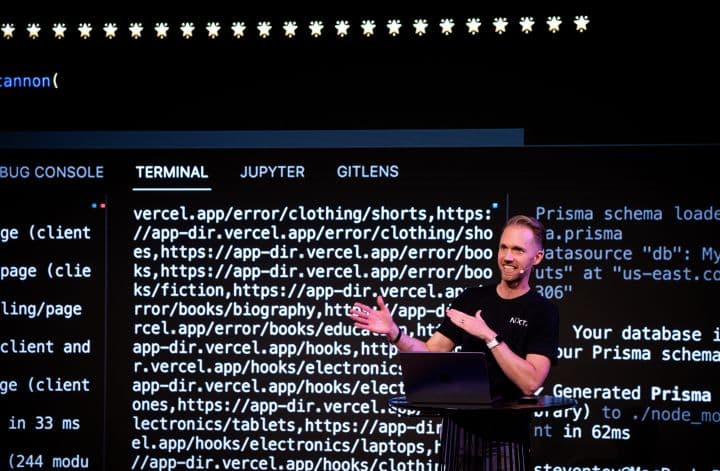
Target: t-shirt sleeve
544,335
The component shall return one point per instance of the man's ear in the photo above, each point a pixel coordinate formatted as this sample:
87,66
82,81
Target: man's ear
538,257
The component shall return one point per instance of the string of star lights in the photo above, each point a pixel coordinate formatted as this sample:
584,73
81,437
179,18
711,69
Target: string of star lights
291,28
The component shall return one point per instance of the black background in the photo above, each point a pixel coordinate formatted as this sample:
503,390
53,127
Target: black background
638,75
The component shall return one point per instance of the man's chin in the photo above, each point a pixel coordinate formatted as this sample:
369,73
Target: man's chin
512,278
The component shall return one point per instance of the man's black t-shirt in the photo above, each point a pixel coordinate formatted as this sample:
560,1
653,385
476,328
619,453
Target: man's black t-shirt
527,324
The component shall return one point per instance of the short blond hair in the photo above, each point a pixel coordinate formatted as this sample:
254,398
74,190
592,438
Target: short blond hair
531,223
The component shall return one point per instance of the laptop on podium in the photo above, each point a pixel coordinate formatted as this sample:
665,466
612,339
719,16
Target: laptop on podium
445,377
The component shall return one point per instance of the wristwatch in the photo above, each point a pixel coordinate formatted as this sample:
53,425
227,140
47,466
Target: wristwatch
494,342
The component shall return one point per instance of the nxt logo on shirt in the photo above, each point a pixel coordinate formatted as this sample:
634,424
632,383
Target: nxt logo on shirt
518,321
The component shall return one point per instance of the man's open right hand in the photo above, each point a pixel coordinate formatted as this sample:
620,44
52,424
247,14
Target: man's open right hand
375,320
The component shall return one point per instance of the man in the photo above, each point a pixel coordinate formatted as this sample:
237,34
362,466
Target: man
510,321
518,329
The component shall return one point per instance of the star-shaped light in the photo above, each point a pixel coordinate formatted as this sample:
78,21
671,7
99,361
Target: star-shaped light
136,30
213,29
161,30
290,27
7,30
420,26
238,28
500,24
59,30
581,23
33,30
446,26
342,28
553,23
368,27
187,29
110,30
526,24
393,27
264,28
473,25
316,28
84,29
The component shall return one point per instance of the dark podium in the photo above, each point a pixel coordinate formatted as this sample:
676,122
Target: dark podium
486,437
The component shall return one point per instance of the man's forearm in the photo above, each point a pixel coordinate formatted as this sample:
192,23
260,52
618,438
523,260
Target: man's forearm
405,343
525,374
